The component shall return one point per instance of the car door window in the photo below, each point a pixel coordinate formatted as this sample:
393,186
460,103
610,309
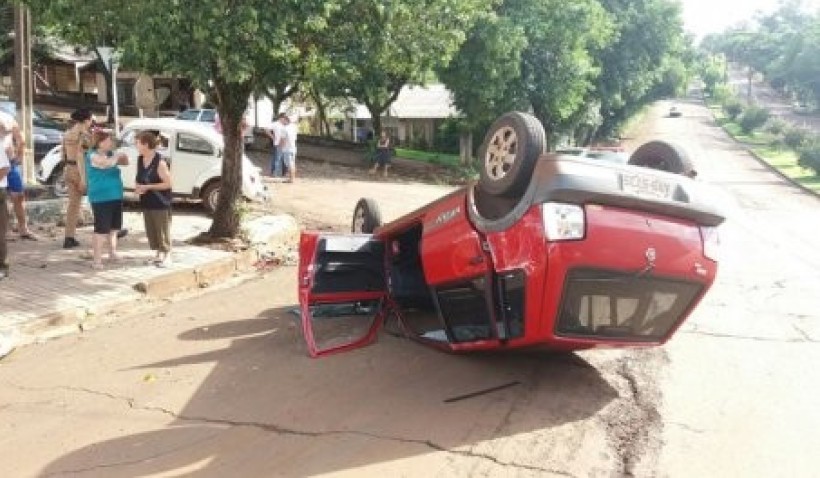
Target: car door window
208,116
191,143
189,115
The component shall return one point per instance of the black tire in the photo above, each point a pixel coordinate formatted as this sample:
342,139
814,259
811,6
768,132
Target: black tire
210,196
58,182
366,217
509,152
663,156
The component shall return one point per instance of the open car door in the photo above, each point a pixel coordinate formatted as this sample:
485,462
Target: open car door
342,291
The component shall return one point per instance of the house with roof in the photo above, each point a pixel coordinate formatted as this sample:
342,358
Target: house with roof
414,117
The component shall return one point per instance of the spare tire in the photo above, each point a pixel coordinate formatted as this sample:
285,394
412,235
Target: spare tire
509,152
663,156
366,217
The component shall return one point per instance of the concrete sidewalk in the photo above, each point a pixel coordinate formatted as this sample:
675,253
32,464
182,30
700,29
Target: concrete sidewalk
52,291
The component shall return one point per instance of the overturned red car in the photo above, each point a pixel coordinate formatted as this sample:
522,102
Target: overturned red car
544,250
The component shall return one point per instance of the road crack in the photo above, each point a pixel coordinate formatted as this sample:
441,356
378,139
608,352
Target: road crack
633,423
277,429
805,338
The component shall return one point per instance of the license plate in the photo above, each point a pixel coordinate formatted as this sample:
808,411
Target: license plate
646,186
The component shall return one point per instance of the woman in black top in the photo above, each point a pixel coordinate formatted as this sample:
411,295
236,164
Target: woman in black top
153,185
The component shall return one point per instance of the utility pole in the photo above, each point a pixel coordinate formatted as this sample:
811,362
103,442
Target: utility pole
111,62
23,85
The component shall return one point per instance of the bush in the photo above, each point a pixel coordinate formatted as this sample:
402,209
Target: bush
753,118
733,107
721,94
809,155
795,137
776,126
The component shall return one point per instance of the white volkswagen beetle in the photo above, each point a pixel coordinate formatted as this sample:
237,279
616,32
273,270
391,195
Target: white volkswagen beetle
194,150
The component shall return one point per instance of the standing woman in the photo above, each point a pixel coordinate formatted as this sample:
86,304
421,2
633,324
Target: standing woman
154,188
383,152
102,171
75,143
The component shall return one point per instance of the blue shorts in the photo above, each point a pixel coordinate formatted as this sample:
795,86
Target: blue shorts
15,179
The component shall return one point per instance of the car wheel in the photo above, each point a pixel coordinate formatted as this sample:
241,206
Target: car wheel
58,183
210,196
509,152
366,217
663,156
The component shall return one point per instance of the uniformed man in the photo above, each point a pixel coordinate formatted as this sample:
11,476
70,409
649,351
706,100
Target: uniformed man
75,144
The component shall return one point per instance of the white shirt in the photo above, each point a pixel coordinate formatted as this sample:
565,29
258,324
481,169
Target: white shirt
291,131
4,160
278,130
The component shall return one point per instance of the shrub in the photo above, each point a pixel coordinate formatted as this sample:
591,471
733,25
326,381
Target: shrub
795,137
809,155
733,107
753,118
721,94
776,126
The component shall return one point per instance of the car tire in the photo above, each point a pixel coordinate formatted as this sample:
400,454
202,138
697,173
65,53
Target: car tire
58,182
509,152
663,156
366,217
210,196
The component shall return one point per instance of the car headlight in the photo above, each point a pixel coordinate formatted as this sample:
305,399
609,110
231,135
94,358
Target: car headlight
563,222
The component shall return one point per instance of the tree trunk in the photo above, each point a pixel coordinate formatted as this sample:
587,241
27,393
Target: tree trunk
324,125
231,101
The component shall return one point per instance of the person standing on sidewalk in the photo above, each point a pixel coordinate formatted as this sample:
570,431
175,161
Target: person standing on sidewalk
105,194
153,184
75,143
15,148
5,166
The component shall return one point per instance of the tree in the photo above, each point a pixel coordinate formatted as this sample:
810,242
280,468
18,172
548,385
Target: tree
224,47
646,58
533,55
377,47
480,74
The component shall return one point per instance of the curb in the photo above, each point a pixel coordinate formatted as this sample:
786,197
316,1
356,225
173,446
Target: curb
273,234
771,168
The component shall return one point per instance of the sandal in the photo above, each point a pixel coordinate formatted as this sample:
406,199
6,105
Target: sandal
29,237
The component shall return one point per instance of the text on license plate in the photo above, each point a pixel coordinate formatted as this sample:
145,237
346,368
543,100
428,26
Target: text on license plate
646,186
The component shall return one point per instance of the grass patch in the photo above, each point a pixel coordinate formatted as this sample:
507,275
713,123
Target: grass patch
443,159
785,161
756,138
766,146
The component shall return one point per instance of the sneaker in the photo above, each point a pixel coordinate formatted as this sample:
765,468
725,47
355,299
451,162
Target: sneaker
70,243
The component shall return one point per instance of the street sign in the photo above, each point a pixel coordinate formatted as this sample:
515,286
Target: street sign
106,52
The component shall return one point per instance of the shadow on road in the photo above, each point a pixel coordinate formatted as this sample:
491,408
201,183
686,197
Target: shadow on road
378,404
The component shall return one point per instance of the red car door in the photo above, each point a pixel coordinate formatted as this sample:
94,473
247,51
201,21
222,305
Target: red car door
342,291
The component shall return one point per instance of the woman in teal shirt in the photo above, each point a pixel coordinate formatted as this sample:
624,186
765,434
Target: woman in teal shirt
105,194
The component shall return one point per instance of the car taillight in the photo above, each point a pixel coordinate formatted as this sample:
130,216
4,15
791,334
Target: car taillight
563,222
711,242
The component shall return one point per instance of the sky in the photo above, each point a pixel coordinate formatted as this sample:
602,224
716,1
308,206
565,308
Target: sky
702,17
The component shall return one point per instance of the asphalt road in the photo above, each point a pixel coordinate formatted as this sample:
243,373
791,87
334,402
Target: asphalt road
221,385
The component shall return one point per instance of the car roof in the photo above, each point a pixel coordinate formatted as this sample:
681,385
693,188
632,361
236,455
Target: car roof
194,127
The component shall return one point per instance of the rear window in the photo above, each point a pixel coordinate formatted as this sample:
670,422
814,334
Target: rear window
613,305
